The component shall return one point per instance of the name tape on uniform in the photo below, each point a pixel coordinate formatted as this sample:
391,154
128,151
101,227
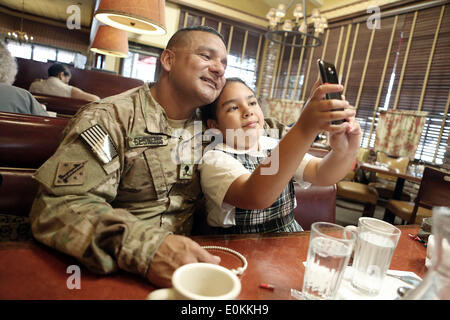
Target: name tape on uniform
148,141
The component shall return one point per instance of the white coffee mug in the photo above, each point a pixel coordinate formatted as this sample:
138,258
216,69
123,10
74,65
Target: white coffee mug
200,281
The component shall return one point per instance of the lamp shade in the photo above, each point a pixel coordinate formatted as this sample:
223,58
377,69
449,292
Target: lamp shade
137,16
110,41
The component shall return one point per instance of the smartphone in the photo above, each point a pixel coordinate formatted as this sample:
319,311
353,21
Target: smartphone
328,74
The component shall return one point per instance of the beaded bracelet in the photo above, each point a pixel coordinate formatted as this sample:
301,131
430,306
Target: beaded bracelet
237,271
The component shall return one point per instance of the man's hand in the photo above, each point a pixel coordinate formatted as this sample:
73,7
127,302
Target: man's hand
174,252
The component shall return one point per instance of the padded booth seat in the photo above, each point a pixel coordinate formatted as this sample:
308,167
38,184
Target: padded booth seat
27,141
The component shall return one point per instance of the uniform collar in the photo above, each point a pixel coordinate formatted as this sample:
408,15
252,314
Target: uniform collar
155,116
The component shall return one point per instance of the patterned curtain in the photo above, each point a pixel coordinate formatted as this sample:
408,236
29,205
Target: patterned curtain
285,111
398,132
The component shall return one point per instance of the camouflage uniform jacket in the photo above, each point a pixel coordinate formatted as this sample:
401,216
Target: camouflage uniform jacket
113,211
114,190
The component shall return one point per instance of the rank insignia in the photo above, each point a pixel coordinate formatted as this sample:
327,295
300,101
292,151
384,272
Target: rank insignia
70,173
186,171
100,143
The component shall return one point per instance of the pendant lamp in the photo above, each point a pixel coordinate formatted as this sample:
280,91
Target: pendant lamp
110,41
137,16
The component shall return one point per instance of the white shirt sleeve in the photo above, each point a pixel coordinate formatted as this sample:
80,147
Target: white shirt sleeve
52,86
218,171
298,175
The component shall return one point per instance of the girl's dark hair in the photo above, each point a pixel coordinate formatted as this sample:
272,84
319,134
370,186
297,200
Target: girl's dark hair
209,110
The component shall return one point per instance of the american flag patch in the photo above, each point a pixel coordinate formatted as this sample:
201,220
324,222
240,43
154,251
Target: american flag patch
100,143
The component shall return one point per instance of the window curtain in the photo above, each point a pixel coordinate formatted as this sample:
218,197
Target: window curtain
398,132
285,111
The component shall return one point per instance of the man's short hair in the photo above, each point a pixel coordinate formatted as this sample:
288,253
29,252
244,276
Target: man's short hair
179,34
57,68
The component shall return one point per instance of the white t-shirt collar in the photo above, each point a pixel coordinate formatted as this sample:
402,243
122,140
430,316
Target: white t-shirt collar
265,143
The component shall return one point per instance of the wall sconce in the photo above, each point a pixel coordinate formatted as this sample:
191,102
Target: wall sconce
137,16
110,41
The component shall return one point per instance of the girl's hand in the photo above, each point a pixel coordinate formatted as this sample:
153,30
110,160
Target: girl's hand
348,138
318,113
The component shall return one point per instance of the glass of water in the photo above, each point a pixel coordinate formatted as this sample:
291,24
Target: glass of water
375,247
330,248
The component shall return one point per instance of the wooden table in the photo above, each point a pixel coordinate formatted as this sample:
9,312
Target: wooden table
410,175
29,270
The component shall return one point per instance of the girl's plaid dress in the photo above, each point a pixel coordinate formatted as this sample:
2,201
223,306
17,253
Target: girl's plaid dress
279,217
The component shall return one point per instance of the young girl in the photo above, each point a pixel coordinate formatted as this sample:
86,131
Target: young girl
247,179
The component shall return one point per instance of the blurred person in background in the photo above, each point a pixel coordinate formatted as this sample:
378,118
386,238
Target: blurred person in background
12,98
57,84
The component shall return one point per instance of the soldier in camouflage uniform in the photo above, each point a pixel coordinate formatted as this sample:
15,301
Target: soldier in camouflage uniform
113,195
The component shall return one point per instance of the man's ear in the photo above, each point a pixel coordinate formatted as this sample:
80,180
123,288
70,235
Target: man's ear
167,59
61,75
211,123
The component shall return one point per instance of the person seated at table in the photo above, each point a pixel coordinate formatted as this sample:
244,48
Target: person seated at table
247,179
57,84
15,99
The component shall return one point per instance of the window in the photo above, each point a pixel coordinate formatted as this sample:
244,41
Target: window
43,53
403,65
140,66
79,61
245,70
65,56
20,50
242,56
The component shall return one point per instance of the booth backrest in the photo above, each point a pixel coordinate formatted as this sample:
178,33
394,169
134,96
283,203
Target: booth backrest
27,141
60,105
102,84
314,204
17,191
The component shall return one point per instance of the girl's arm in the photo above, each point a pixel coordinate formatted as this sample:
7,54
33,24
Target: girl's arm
261,188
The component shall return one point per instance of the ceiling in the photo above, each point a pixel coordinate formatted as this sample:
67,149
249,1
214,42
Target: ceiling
56,9
52,9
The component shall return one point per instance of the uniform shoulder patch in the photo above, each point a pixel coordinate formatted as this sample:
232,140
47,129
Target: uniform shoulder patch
70,173
100,143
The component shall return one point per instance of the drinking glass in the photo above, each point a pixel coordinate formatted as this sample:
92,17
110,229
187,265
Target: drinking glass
375,247
330,248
